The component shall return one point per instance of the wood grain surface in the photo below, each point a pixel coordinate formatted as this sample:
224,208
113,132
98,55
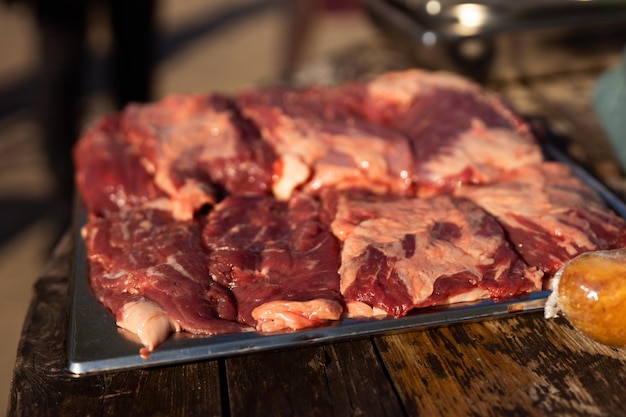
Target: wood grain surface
517,366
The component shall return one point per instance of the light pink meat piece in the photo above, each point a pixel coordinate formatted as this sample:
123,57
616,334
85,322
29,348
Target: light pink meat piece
278,258
407,253
549,214
321,142
197,146
145,261
274,316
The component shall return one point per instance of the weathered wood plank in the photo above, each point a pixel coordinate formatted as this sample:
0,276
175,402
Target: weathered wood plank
341,379
183,390
41,382
518,366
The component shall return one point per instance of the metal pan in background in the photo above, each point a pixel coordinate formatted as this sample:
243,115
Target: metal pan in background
501,38
450,20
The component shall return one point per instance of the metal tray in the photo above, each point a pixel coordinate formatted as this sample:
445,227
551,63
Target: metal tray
495,39
96,344
453,20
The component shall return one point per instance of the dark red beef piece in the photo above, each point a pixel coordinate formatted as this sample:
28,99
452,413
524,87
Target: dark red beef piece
407,253
198,147
109,174
266,250
322,141
549,214
146,254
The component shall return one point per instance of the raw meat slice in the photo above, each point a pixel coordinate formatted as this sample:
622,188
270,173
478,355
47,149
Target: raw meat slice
151,272
407,253
460,139
198,147
278,258
388,98
104,159
460,133
476,155
321,142
549,214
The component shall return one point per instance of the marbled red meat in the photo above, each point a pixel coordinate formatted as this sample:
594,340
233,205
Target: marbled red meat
459,132
144,260
549,214
407,253
279,259
388,98
322,142
109,174
197,146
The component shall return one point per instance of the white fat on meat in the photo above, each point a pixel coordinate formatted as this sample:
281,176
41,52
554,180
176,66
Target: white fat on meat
280,315
148,321
297,152
293,173
192,191
358,309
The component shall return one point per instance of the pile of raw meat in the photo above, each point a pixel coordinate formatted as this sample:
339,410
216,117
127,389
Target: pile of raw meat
281,209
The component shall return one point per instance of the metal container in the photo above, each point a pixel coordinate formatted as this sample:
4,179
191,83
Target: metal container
502,38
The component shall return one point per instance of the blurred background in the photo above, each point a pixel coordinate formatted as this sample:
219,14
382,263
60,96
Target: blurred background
228,45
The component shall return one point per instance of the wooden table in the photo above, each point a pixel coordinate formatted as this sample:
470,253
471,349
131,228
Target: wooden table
524,365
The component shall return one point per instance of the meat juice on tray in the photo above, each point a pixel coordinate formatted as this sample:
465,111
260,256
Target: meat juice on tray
279,209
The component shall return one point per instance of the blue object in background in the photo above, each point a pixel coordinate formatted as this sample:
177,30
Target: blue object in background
609,101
